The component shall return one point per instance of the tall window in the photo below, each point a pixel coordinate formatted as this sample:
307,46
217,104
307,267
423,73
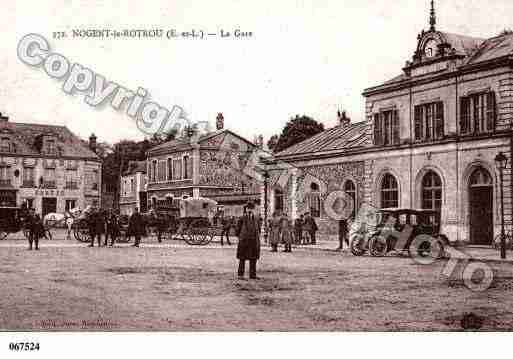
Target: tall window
49,178
187,167
177,169
28,177
161,177
350,190
429,121
431,191
5,175
478,113
169,169
389,192
154,171
278,200
386,128
314,199
71,179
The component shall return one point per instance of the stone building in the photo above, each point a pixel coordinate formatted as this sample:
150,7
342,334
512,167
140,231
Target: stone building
209,165
133,188
429,140
47,167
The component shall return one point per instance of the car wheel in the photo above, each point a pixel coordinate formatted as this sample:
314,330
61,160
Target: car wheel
378,246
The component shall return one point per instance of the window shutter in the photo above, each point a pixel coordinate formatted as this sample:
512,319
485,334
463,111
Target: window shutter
395,128
439,120
377,130
490,111
465,115
418,122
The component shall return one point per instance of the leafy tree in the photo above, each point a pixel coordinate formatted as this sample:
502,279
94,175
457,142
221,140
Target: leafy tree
272,142
296,130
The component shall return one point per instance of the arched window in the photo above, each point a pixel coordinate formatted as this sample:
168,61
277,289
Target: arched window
314,200
350,190
389,192
431,191
480,178
278,200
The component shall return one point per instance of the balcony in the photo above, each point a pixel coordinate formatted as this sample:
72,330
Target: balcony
5,182
28,184
71,185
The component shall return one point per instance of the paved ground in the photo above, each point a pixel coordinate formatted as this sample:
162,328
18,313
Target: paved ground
173,286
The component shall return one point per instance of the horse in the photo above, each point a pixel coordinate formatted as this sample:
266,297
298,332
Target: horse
64,219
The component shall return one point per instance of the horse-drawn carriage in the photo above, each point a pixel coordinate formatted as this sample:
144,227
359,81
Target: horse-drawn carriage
11,220
191,221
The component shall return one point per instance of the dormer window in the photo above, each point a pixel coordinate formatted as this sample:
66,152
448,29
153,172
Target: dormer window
5,144
50,146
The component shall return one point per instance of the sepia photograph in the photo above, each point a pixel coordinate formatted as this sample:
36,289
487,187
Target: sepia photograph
290,167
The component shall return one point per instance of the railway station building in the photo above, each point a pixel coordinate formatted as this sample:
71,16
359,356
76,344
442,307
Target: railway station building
430,139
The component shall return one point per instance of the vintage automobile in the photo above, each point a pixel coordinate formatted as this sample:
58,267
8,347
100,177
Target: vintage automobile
420,226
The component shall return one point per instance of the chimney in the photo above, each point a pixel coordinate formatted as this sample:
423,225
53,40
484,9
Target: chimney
3,118
92,143
219,121
343,120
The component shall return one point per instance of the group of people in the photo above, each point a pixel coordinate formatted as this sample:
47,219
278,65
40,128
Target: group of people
282,231
107,223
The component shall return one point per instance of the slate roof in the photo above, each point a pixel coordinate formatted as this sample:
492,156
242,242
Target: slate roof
23,135
494,48
339,138
185,143
474,49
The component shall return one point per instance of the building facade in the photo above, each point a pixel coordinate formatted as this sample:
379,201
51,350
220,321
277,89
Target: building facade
133,188
47,168
429,140
210,165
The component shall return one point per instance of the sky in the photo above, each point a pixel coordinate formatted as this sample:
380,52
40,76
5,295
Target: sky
304,57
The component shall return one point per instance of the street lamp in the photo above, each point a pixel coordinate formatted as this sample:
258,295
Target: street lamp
266,185
500,161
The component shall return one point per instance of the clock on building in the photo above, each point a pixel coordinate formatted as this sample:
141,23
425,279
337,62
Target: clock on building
430,48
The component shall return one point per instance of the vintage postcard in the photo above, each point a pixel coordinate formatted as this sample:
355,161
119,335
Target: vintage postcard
242,166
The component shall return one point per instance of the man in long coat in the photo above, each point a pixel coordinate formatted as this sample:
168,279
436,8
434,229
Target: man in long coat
310,226
136,226
248,248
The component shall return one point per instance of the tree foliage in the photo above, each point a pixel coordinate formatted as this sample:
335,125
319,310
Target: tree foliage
296,130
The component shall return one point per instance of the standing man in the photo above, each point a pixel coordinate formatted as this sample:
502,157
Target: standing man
31,226
342,234
311,226
298,229
92,223
136,226
248,248
112,228
227,223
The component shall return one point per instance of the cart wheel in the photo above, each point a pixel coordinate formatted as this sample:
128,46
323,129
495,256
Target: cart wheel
357,244
82,235
377,246
3,235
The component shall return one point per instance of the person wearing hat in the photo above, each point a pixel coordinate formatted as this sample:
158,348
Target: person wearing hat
248,248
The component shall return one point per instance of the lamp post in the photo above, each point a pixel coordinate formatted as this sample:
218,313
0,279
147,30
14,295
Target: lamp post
500,161
266,185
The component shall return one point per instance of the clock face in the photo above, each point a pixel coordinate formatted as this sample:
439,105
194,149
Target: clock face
429,48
